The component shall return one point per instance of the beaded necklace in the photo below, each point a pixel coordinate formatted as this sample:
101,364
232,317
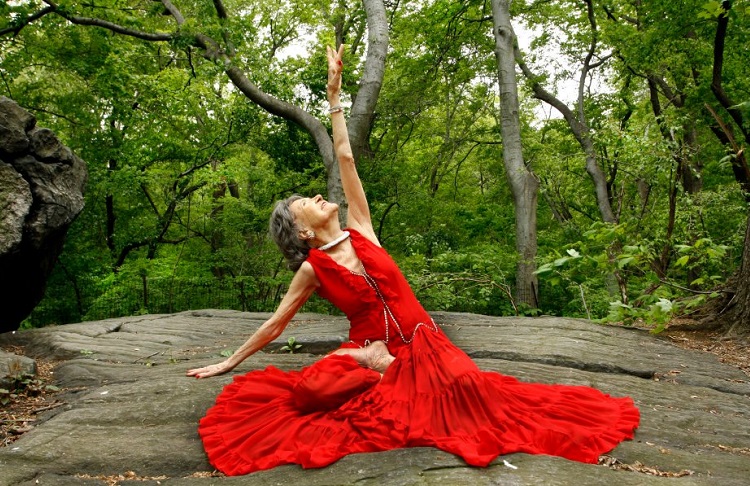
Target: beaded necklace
387,311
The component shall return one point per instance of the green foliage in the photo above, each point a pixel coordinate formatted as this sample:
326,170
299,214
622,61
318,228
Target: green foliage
605,256
291,346
700,258
469,280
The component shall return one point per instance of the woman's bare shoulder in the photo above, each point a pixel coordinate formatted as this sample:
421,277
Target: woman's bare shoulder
305,275
306,270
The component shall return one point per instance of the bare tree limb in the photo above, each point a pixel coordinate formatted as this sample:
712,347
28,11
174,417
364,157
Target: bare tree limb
601,60
362,112
221,12
581,132
739,162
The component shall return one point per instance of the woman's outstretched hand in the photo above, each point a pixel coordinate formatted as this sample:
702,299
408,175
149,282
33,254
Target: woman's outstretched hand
335,67
210,370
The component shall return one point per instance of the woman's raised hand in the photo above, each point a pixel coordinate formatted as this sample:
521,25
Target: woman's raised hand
335,67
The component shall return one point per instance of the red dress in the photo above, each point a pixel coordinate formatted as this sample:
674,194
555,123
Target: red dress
433,394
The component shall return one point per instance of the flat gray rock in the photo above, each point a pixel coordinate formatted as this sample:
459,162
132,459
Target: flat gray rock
130,409
12,366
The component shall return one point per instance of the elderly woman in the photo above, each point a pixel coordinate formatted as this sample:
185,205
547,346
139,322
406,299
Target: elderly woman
399,381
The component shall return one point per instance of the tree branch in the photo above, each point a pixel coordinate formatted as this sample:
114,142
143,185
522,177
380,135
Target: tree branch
17,28
739,162
281,108
174,12
587,66
42,110
362,108
541,93
221,12
676,98
601,60
119,29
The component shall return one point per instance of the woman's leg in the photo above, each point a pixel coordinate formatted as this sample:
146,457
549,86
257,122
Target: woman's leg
374,356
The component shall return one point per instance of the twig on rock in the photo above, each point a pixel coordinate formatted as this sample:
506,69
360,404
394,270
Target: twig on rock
49,407
147,357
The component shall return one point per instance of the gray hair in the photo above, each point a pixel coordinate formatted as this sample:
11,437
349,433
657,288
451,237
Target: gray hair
285,233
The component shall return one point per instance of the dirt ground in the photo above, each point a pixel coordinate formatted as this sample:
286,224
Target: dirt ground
28,401
732,351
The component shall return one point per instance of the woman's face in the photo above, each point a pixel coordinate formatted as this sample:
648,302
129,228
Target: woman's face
314,212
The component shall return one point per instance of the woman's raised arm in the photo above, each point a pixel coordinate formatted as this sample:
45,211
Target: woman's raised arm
303,285
358,216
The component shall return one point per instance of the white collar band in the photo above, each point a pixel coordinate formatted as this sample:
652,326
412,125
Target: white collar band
335,242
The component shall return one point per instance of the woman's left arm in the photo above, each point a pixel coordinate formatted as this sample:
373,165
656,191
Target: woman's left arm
358,216
302,286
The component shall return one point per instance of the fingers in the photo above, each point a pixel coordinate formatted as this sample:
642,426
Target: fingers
204,372
195,372
336,56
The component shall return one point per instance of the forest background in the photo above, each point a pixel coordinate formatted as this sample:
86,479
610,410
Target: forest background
195,117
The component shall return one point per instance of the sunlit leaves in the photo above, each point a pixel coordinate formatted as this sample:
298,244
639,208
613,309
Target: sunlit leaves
712,10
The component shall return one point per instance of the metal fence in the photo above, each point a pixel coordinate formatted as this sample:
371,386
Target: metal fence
145,295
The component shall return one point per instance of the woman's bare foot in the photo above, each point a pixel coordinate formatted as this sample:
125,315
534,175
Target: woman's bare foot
374,356
378,357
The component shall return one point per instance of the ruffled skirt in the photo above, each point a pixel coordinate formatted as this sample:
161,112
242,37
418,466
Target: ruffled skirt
433,394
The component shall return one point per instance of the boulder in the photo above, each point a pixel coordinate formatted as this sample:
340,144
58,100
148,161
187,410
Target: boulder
41,193
14,367
130,412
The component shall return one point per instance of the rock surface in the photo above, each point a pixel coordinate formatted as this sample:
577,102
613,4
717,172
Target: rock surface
41,193
129,409
13,366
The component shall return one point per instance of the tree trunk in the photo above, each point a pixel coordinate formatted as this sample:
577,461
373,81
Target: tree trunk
524,185
109,202
734,315
738,317
601,187
363,109
717,86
